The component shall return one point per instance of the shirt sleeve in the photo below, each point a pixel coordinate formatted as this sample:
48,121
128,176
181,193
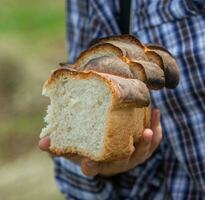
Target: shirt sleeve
86,20
143,181
75,185
135,183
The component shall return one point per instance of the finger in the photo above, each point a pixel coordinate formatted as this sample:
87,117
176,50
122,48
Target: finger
156,127
142,147
147,137
92,168
44,143
155,119
145,140
89,168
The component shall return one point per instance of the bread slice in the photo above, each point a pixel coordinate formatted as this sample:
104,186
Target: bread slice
94,114
100,105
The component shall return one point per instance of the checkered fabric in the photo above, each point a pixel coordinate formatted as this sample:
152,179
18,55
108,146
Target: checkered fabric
177,169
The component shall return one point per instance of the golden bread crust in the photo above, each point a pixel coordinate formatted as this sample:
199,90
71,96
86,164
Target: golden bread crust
132,49
109,65
125,92
96,51
129,39
128,67
152,74
125,120
123,130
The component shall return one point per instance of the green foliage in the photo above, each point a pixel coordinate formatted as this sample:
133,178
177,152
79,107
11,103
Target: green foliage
31,18
32,39
32,42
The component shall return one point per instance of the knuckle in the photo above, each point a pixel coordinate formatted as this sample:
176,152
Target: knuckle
142,157
146,153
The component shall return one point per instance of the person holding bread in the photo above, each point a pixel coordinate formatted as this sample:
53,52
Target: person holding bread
158,168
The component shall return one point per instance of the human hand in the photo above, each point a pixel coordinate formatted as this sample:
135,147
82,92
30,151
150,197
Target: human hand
144,149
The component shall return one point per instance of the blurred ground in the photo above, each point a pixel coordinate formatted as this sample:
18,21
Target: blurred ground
29,177
32,42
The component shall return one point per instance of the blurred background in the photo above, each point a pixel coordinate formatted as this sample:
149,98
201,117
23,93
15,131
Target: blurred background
32,43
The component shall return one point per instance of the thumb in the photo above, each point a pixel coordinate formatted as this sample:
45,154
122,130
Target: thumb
44,143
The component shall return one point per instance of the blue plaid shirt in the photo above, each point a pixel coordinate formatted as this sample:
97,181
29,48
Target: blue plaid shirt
177,169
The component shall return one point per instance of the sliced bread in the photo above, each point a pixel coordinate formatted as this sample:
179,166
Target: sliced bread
100,105
93,114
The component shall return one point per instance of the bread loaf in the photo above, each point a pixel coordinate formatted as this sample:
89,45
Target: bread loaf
100,105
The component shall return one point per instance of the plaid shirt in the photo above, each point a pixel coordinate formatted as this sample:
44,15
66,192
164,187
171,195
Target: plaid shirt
177,169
